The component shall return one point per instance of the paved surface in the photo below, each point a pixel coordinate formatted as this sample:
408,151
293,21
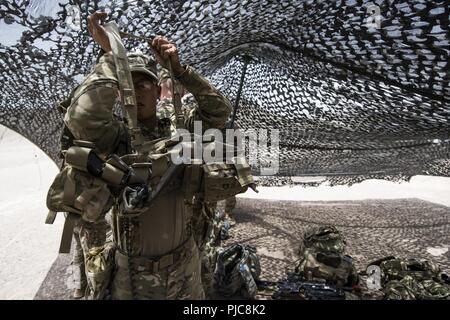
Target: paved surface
372,229
28,247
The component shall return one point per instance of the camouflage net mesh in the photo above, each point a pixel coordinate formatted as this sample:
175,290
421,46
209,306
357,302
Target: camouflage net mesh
352,100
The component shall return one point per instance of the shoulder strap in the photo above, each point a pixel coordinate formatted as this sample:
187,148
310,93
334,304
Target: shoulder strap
66,238
176,99
125,83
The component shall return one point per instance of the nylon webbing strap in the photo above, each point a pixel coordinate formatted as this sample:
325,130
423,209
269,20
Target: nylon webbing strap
176,99
69,191
125,83
51,216
83,199
66,238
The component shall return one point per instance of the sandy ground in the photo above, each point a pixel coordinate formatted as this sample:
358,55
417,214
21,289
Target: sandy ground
28,247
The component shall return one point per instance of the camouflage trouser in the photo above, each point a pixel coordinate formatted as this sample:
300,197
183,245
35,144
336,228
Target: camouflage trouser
87,235
144,278
230,204
209,258
208,244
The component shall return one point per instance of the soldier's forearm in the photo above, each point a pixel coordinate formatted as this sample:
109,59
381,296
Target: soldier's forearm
195,83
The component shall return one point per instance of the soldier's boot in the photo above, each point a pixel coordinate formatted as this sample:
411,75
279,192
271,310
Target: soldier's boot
78,293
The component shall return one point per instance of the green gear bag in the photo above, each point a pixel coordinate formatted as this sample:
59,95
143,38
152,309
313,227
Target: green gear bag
323,259
324,238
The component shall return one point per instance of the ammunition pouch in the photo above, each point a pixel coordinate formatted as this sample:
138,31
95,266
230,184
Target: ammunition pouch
86,160
79,192
212,181
82,187
222,181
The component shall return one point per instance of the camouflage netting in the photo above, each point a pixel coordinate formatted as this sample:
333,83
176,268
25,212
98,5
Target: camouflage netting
352,99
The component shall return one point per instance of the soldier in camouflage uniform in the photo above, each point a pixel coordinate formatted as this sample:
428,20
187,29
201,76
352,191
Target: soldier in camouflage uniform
157,255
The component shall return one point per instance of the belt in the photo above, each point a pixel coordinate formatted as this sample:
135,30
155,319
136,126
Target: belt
156,263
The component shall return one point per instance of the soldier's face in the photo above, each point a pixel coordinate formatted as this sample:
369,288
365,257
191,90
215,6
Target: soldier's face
147,93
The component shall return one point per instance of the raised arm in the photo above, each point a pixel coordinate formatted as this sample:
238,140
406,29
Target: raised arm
90,114
213,108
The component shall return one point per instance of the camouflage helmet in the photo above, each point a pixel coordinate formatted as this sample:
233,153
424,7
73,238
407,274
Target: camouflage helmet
142,63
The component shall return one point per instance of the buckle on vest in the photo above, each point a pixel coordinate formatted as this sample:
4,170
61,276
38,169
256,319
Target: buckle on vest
162,263
166,261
